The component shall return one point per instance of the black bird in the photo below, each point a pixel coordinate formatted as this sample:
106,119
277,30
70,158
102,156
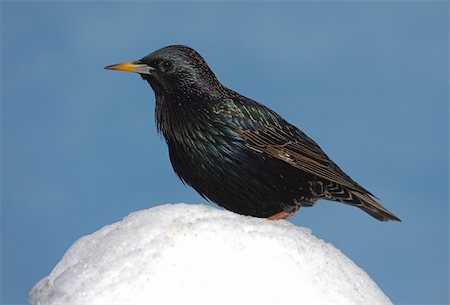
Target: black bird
235,151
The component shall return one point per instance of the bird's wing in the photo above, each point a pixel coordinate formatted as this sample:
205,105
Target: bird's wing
287,143
266,132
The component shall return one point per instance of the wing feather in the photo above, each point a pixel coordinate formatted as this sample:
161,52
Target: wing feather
294,147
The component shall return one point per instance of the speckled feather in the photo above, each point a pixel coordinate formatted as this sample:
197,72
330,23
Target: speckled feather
237,152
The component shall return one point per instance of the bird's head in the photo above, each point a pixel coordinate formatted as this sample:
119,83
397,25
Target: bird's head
174,70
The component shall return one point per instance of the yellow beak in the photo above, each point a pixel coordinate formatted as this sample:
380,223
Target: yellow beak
132,66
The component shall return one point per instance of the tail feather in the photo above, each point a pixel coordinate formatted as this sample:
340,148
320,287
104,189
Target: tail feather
373,208
364,201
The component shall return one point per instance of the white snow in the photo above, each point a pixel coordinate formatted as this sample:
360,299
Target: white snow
196,254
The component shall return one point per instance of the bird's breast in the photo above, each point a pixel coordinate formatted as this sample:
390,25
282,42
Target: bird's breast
201,156
201,141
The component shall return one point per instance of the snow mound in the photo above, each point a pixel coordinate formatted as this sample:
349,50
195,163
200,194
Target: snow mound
196,254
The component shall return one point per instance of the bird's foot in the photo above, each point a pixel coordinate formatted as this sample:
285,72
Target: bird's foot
281,215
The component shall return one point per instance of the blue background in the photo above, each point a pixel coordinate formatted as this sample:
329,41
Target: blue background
368,81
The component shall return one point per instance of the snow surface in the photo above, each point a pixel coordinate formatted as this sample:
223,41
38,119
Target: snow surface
196,254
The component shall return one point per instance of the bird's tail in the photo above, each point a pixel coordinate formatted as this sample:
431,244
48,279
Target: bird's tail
373,208
364,201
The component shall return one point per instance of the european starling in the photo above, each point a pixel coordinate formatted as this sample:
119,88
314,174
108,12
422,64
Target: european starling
235,151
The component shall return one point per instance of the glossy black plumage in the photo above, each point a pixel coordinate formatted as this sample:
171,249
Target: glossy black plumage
234,150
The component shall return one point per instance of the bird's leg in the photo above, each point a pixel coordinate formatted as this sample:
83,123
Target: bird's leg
284,214
281,215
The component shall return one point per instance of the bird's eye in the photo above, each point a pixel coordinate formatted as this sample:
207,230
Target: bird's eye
165,65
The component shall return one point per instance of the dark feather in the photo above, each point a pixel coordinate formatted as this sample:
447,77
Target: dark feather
237,152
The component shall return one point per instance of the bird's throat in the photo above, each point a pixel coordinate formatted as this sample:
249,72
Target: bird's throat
177,119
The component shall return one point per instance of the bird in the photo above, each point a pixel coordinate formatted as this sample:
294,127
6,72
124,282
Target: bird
235,151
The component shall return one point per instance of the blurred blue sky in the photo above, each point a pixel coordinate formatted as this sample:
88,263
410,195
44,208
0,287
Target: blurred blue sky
367,80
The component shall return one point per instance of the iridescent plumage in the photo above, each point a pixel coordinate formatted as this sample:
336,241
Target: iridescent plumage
234,150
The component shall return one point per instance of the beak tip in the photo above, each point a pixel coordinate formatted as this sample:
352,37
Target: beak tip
110,67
